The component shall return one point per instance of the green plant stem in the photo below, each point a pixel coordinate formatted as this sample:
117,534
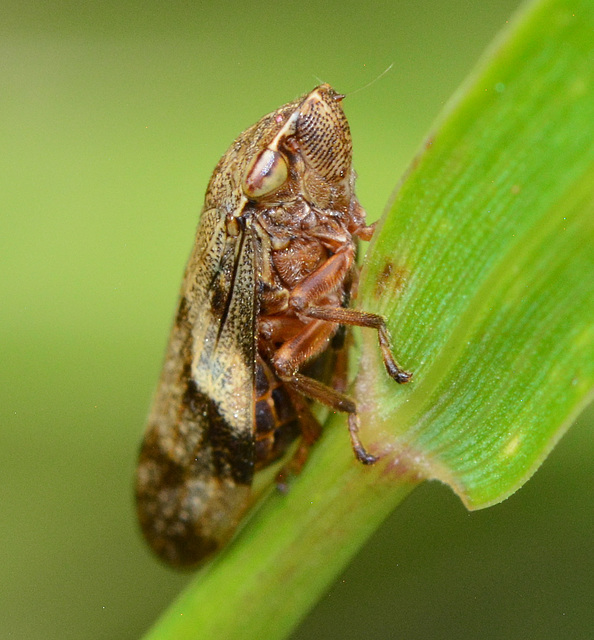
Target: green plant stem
289,551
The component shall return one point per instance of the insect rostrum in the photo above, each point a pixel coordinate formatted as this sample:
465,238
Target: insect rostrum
264,293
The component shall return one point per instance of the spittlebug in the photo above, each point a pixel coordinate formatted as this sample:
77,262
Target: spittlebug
264,294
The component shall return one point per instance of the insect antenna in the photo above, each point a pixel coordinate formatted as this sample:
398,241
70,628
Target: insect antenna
371,82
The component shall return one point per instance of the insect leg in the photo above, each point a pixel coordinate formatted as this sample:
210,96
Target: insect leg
310,430
324,280
358,318
287,360
311,341
335,400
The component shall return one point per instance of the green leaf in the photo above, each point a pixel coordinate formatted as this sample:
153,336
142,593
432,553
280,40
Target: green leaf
484,269
485,266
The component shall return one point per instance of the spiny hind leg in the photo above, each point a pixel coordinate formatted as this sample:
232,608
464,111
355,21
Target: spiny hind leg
338,402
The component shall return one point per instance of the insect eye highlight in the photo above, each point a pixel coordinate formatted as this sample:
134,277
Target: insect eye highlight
266,173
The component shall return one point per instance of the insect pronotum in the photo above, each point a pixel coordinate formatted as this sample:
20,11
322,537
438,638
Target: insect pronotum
264,294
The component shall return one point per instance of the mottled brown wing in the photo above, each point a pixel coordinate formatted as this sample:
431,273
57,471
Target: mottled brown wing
197,459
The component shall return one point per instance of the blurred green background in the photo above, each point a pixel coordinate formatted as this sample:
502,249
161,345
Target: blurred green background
112,117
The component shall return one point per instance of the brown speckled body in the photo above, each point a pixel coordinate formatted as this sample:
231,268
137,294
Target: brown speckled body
264,293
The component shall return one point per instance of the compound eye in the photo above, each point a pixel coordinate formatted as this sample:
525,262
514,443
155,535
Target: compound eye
267,172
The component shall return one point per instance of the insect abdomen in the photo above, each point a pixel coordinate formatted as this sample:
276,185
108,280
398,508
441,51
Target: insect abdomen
276,421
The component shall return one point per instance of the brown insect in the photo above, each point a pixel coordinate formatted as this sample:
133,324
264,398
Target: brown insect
263,297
